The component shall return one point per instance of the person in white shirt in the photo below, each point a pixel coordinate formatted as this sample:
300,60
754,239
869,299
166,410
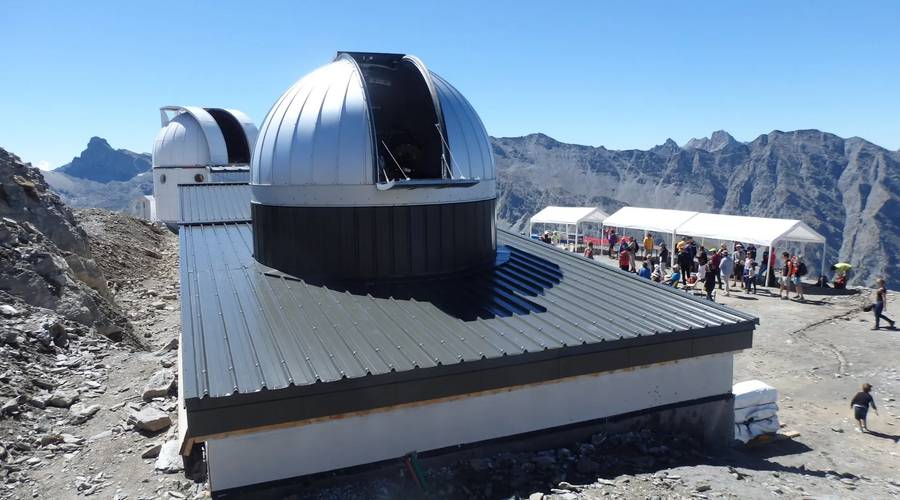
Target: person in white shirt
726,267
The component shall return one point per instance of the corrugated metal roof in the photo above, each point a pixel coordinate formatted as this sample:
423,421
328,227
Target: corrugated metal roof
247,329
214,203
236,175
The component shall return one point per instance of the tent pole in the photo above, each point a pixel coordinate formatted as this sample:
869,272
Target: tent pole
672,252
602,233
824,251
770,272
530,228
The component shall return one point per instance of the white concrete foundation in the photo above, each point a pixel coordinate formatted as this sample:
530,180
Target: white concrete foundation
360,439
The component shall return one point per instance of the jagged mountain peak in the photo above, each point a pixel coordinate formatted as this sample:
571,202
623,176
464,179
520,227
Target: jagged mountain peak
98,142
719,139
670,147
101,163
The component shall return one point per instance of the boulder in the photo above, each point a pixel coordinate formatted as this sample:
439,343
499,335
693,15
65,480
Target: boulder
159,385
150,419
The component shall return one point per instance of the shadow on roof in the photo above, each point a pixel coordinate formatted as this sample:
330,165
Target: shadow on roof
501,291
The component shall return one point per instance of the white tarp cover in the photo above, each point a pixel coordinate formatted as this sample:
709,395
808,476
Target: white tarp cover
569,215
658,220
753,393
756,230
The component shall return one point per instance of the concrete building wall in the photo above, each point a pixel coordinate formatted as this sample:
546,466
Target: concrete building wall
165,189
360,439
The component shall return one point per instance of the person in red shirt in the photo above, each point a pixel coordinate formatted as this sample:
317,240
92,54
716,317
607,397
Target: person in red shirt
625,259
787,275
589,251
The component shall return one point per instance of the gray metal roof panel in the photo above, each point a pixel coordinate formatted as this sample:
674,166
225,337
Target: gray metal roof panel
214,202
247,328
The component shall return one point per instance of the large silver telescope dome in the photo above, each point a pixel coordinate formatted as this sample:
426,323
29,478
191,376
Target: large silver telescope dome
372,129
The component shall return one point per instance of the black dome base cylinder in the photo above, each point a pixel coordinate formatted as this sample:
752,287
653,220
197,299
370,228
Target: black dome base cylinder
322,244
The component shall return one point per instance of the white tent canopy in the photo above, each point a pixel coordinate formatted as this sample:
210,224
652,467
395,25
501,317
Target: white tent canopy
658,220
757,230
569,215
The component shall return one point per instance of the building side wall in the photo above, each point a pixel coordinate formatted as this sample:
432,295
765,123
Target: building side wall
354,440
168,206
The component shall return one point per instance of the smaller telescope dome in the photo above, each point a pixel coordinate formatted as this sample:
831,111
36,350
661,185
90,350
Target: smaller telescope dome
200,137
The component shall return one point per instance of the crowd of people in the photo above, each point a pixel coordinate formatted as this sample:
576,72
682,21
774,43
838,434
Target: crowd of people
738,267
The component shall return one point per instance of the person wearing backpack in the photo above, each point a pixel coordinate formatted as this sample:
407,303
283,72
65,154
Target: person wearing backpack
796,261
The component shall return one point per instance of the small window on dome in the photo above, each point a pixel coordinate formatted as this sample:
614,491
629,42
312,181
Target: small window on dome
198,178
162,179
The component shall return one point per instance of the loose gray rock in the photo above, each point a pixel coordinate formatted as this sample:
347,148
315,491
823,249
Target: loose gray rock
10,406
170,345
8,310
150,419
159,385
62,398
79,413
152,452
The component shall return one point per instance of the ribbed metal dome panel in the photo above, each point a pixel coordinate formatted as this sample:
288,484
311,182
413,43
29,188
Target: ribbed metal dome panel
181,143
318,133
467,138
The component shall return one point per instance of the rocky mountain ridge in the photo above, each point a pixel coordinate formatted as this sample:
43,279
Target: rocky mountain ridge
99,162
846,189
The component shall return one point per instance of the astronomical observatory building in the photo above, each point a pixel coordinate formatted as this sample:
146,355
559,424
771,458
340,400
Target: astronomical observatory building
194,146
356,302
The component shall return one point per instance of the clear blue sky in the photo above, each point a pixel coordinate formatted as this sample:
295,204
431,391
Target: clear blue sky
616,74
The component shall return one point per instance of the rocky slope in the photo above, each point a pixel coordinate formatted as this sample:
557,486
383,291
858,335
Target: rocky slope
101,163
847,189
84,193
45,257
89,324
